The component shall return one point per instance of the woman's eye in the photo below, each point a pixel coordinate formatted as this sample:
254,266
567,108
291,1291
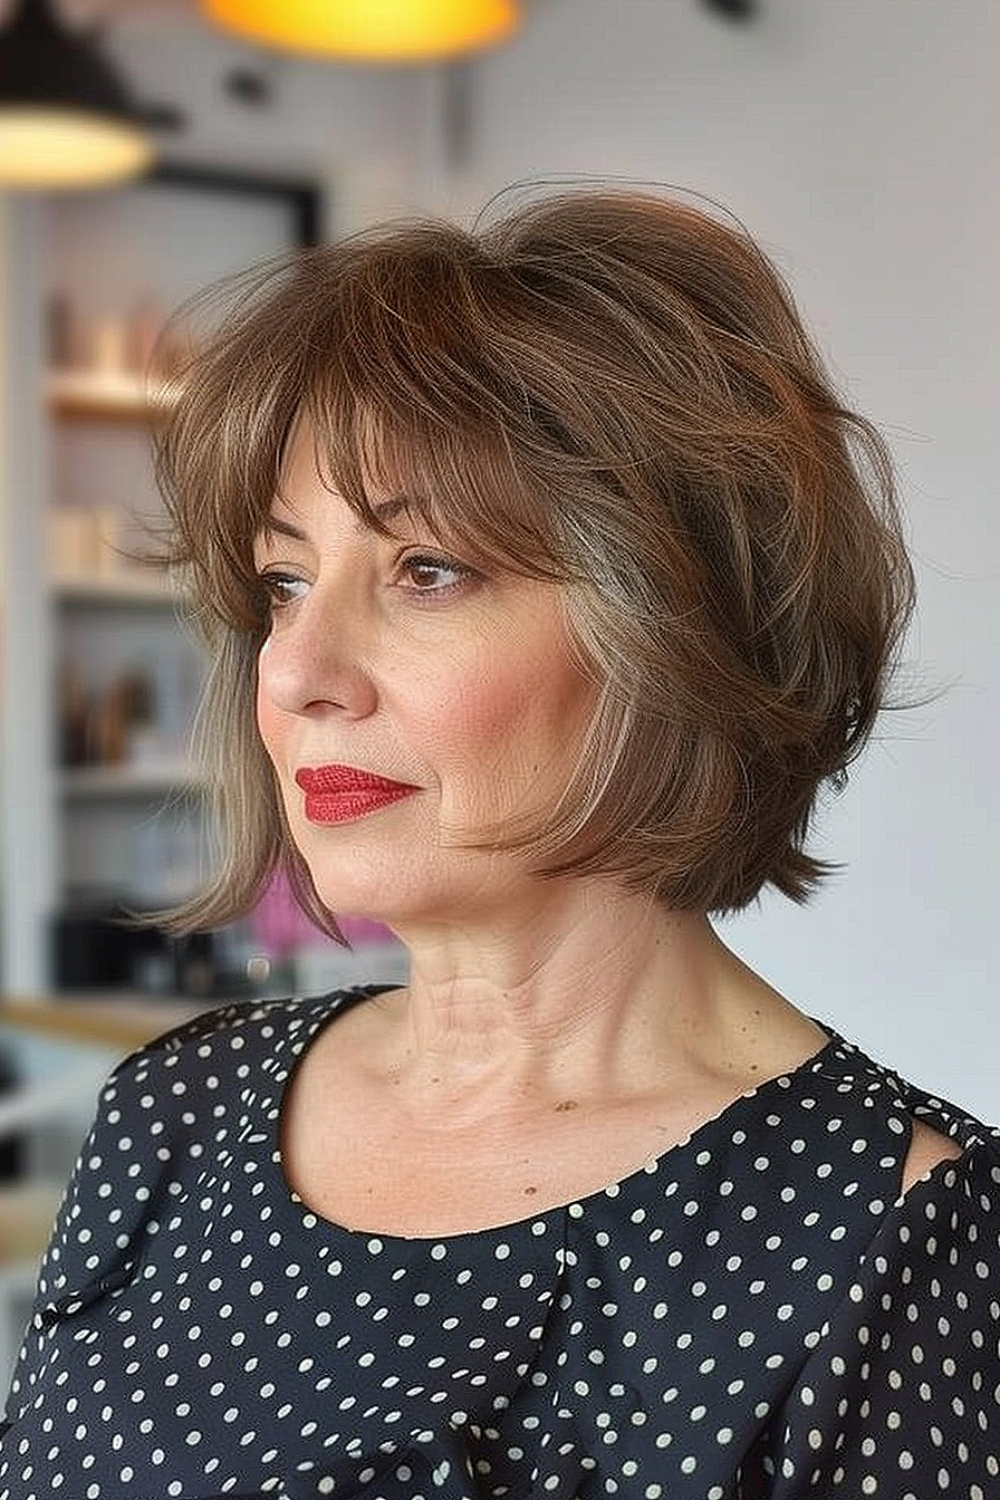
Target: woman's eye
280,588
426,573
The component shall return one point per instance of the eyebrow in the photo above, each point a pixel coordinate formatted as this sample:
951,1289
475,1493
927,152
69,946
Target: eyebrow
273,525
384,511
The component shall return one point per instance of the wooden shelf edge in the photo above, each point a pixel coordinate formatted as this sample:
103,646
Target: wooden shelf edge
124,1021
124,588
99,783
113,396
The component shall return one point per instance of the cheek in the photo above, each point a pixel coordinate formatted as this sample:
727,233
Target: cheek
477,710
269,719
513,718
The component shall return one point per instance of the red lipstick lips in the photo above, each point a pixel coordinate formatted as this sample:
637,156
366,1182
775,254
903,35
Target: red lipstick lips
338,794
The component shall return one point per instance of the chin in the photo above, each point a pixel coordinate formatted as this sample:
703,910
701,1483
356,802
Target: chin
353,887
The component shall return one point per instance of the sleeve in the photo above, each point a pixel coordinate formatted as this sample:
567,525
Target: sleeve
112,1204
900,1397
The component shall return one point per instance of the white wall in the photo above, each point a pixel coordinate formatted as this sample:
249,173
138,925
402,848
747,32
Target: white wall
858,141
27,820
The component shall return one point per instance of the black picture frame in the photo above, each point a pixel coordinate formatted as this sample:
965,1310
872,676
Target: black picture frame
299,195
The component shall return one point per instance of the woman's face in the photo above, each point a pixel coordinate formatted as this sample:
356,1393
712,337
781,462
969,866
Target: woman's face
410,703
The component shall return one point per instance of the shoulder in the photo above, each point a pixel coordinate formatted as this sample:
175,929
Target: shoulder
947,1143
936,1250
878,1144
166,1109
928,1149
931,1130
239,1037
941,1222
184,1093
910,1348
948,1181
162,1086
951,1175
245,1019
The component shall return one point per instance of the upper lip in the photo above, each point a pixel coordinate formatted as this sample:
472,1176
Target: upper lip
335,778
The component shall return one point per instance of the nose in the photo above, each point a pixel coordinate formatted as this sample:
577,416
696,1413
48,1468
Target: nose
316,660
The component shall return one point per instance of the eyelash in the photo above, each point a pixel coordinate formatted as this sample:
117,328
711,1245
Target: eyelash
273,585
438,562
276,585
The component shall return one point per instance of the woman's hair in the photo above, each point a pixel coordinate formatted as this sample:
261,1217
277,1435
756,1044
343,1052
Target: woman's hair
611,390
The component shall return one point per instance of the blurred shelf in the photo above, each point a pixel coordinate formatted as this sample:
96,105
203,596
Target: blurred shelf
108,396
117,1019
125,588
152,779
27,1212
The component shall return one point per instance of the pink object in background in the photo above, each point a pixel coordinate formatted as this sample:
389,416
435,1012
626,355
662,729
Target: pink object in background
281,927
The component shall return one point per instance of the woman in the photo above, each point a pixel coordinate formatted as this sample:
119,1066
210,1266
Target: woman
548,583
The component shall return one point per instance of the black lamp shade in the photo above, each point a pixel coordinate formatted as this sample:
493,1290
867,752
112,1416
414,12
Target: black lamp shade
42,64
66,118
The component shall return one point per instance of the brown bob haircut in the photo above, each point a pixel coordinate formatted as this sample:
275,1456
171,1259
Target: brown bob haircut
611,390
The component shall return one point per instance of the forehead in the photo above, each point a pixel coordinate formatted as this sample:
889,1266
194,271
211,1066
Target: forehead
300,470
304,483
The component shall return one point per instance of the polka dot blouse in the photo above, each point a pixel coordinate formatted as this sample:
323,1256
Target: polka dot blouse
757,1313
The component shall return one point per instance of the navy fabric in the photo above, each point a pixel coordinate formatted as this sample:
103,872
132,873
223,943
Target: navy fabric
756,1313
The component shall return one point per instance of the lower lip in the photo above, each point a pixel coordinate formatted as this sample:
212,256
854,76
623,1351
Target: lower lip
345,807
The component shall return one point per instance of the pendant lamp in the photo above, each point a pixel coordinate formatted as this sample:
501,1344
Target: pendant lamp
66,119
369,30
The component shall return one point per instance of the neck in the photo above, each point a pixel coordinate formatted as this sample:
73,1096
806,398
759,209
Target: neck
584,971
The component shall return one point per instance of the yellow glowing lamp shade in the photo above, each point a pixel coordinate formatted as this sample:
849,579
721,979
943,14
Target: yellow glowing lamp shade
65,148
370,30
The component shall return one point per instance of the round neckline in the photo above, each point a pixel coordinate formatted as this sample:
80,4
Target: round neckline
338,1002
